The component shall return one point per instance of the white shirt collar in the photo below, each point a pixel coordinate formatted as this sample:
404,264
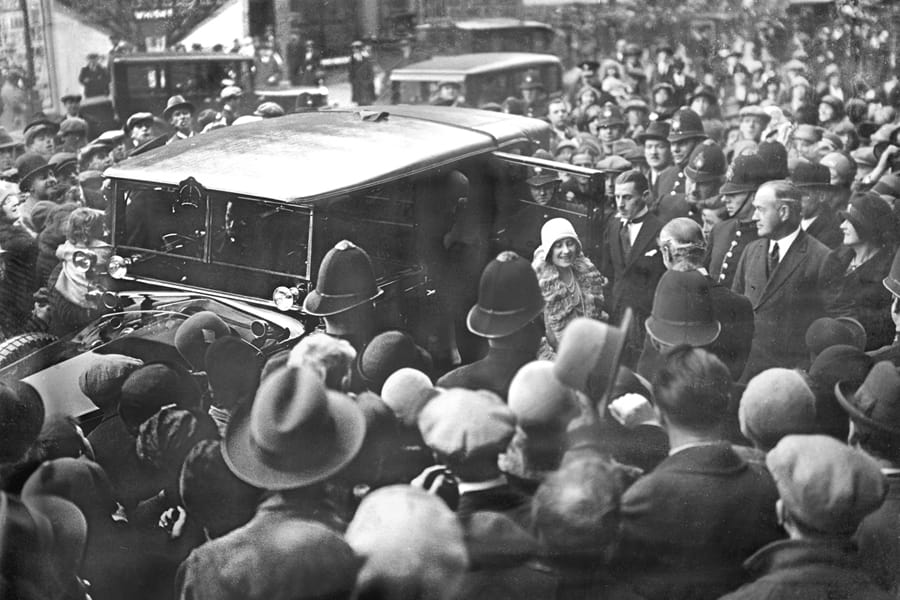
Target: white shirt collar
805,223
480,486
784,244
682,447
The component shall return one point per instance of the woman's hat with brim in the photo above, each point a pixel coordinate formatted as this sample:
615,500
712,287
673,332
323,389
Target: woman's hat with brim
876,404
176,102
346,280
555,230
682,310
509,297
870,215
296,434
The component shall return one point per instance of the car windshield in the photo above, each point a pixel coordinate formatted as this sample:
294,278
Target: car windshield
215,227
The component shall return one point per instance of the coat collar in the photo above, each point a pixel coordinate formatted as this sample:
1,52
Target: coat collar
713,459
784,555
792,260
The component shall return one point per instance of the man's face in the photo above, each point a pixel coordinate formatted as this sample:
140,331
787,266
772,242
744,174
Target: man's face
809,205
142,132
628,202
657,154
73,141
43,144
543,194
448,92
530,95
99,161
610,133
43,185
767,212
710,218
182,120
826,113
7,159
751,128
805,148
681,151
72,108
557,114
733,202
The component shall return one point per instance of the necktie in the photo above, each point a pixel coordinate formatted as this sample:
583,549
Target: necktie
773,258
625,238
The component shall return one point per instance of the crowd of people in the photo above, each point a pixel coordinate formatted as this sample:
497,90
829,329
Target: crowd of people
706,404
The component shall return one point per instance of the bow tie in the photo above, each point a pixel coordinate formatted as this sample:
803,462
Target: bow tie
635,220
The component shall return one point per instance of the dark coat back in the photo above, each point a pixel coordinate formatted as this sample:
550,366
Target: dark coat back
669,200
878,538
726,243
494,372
688,526
785,304
808,570
826,229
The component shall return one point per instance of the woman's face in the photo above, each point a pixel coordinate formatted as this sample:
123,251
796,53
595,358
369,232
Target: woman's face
564,252
10,207
826,113
851,237
588,98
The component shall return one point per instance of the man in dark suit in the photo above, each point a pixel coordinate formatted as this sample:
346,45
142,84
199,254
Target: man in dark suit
818,219
781,275
689,524
631,258
657,153
682,246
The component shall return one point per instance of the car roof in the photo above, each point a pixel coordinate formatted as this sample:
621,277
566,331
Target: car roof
157,57
459,66
486,24
302,157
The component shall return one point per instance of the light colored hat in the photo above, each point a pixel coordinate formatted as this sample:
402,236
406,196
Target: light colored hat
410,540
555,230
776,403
538,398
466,424
406,392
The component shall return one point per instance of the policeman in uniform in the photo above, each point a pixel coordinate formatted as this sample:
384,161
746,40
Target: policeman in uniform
685,133
611,131
728,239
534,94
704,176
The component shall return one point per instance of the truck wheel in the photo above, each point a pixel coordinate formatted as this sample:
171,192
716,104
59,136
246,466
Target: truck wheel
20,346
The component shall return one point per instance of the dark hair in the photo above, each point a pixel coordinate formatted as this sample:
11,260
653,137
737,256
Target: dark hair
576,509
693,388
635,177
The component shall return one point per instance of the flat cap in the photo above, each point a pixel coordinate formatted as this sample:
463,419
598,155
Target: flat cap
776,403
824,484
466,424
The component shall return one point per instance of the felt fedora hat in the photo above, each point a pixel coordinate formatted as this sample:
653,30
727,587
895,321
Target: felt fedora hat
176,102
589,354
682,310
296,433
509,297
28,165
876,404
346,280
656,130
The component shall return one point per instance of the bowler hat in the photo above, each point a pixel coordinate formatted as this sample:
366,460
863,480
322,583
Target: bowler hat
871,215
807,175
682,310
71,98
876,404
509,297
194,336
656,130
29,165
176,102
346,280
149,388
825,332
589,354
825,485
611,116
706,91
746,173
386,353
296,433
467,425
138,117
685,124
706,163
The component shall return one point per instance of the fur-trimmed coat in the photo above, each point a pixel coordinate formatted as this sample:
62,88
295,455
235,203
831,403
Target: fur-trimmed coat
560,305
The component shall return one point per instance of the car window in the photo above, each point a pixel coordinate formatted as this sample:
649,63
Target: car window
144,79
